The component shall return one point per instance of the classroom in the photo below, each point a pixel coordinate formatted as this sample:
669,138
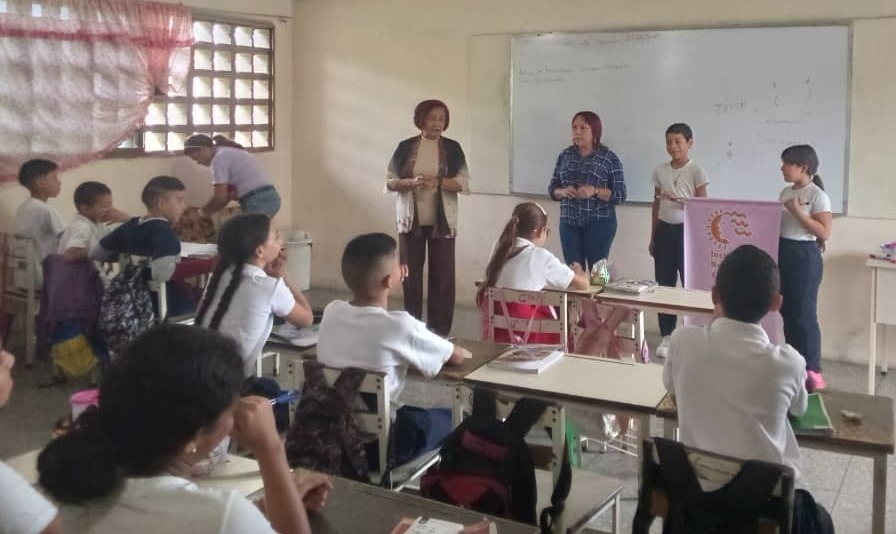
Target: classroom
348,73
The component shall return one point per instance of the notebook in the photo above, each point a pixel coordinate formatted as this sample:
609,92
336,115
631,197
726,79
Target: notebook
423,525
816,419
528,358
300,337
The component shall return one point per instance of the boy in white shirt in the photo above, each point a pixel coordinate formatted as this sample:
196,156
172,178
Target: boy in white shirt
22,509
364,333
674,181
744,416
34,218
93,200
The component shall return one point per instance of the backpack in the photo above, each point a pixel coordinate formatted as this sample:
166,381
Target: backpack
324,435
126,309
486,465
735,508
810,517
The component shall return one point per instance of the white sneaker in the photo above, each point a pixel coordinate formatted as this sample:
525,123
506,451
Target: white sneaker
663,350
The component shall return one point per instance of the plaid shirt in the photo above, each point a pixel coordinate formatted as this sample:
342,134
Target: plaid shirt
601,168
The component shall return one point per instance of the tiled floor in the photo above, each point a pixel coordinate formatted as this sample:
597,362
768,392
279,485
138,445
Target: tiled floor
841,483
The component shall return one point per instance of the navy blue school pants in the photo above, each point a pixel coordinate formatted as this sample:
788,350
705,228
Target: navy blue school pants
587,244
801,271
668,264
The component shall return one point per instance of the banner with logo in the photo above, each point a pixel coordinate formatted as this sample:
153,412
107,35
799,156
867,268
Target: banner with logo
714,227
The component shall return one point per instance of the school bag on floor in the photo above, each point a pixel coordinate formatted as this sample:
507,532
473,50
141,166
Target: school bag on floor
486,465
126,309
324,435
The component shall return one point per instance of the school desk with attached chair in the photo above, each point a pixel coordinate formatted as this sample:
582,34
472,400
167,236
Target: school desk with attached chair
871,437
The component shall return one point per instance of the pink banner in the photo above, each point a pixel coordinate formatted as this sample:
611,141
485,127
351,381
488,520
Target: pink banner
714,227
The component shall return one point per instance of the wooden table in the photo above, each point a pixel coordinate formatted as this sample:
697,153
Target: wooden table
356,507
482,351
872,438
672,300
594,383
883,311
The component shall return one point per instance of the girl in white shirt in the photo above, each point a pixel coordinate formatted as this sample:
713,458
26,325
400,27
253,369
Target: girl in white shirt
22,509
248,287
520,261
805,225
170,399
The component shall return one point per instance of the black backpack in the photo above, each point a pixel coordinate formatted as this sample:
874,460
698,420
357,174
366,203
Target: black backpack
735,508
126,309
486,465
324,435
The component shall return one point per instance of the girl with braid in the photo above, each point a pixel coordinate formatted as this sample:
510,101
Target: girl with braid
248,287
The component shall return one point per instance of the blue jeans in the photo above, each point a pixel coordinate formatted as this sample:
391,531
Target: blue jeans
801,268
587,244
265,200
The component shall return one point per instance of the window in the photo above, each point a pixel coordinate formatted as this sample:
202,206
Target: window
229,92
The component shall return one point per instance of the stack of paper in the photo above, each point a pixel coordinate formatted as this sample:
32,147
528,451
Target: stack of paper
528,358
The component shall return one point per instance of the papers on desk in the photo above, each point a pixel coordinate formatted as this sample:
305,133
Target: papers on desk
631,285
528,358
300,337
424,525
815,421
188,249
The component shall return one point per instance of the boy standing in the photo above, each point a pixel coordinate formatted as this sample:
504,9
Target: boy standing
93,200
364,333
679,179
745,417
35,219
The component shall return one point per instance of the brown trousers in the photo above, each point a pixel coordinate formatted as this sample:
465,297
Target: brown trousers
441,291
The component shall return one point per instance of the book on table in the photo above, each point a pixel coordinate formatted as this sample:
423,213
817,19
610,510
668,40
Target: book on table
631,285
528,358
816,419
424,525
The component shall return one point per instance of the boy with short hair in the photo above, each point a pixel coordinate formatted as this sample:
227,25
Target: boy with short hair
674,181
93,200
35,218
364,333
744,416
153,237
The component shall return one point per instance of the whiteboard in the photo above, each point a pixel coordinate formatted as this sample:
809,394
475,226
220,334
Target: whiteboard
748,93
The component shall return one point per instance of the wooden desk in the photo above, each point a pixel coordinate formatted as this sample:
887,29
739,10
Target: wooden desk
356,507
483,352
237,473
883,311
673,300
873,438
593,383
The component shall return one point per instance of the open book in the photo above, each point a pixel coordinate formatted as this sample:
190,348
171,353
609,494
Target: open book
528,358
423,525
816,419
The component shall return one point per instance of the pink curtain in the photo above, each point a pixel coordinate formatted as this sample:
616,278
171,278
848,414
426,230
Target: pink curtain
78,75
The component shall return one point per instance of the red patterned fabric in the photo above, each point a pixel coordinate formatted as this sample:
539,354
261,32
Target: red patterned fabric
78,75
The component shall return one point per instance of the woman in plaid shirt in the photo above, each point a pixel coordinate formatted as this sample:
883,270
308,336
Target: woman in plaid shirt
588,181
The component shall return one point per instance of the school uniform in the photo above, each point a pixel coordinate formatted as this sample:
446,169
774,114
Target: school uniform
801,270
22,509
250,316
734,389
242,171
166,503
81,232
533,268
42,224
668,237
375,339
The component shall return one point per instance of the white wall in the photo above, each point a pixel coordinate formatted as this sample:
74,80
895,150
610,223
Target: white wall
361,66
126,177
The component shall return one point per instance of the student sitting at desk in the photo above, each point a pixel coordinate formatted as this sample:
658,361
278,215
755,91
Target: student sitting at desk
520,261
170,399
248,287
363,333
22,509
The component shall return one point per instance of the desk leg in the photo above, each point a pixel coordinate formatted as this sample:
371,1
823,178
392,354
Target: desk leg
885,353
879,502
872,334
643,432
